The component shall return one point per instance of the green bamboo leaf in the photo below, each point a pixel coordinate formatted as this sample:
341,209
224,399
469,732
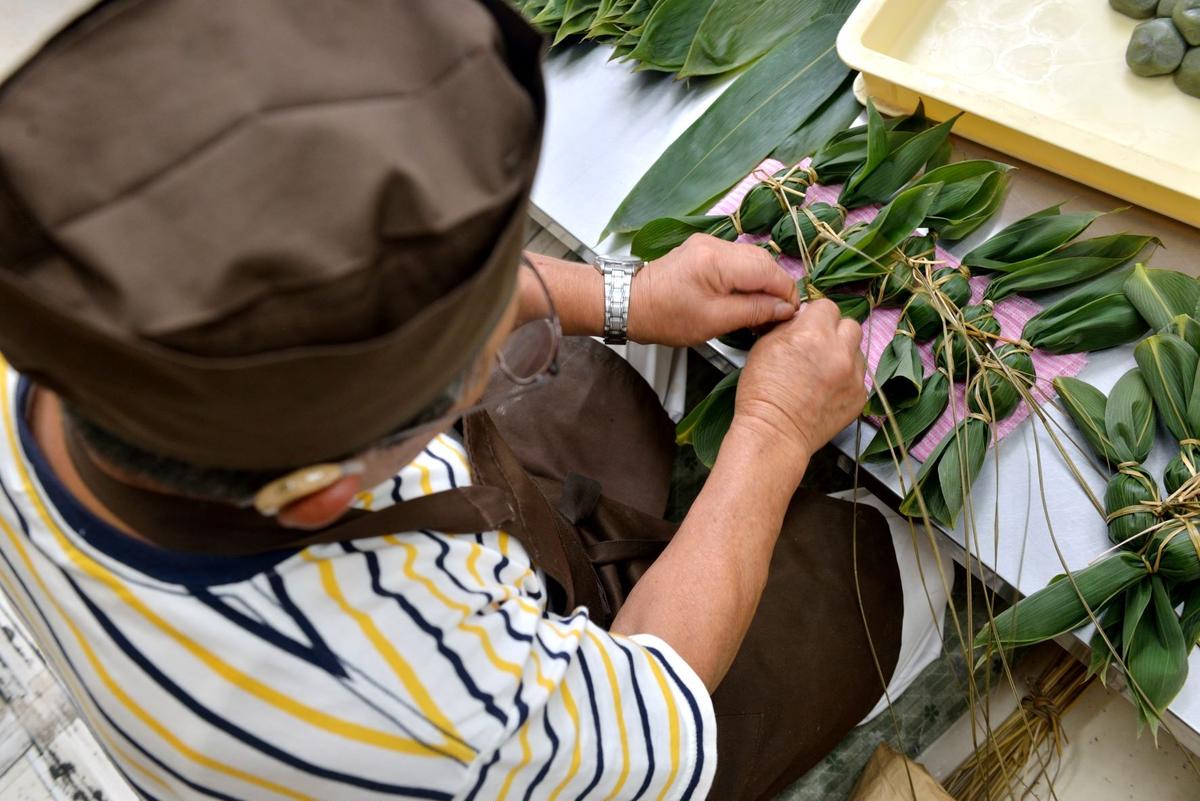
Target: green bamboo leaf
1161,295
911,422
1129,418
734,33
865,254
1110,623
668,33
847,150
577,18
726,388
972,192
898,378
1157,657
1187,328
1028,239
1137,600
952,466
1096,316
1070,265
852,307
838,111
882,176
1087,407
755,114
1189,620
659,237
1168,366
1057,608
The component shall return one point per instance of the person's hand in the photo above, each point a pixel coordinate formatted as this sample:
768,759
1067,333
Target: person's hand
803,382
707,287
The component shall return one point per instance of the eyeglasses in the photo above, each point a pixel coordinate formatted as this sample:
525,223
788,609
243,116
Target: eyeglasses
526,360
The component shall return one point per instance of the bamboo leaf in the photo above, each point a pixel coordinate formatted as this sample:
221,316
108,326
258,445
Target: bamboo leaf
865,253
972,192
898,377
734,33
911,422
668,33
1137,600
1087,407
1161,295
1157,657
1096,316
886,171
755,114
1129,418
726,388
952,467
1058,608
1028,239
846,150
1168,366
659,237
1110,622
838,111
1189,619
1070,265
1187,328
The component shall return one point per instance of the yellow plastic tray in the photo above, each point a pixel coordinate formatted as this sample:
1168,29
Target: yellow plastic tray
1043,80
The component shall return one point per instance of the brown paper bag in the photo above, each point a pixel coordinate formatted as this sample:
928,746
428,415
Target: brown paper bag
885,778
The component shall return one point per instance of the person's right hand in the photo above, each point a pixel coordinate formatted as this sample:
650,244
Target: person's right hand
803,381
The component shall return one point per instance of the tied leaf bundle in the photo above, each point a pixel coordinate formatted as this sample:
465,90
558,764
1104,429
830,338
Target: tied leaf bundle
865,254
1120,431
1094,317
939,488
901,430
797,232
846,150
766,203
997,389
898,378
971,194
958,351
1160,296
1029,240
922,315
897,286
1070,264
890,163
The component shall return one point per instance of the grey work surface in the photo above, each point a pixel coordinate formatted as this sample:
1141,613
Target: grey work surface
607,125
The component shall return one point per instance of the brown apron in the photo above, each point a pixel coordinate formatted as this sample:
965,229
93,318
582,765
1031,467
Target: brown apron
579,472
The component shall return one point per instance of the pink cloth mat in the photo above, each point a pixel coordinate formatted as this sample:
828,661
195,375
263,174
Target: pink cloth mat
880,327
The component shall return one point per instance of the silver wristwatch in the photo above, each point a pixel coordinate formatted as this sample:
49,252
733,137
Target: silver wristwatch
618,278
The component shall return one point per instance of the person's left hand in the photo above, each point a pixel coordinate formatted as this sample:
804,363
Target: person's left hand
707,287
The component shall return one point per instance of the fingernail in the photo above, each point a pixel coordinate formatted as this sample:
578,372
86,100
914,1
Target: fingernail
784,310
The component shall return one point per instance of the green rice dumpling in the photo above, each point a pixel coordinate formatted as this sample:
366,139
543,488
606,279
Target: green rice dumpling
1166,7
922,317
1138,9
958,353
1188,76
1186,17
1156,48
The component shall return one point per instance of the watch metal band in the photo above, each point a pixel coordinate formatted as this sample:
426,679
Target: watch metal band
618,280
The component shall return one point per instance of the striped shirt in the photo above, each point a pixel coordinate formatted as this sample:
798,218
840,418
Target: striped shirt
419,665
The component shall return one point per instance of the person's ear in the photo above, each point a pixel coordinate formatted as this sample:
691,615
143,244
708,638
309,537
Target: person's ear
322,508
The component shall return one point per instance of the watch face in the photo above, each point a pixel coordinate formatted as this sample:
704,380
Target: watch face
635,264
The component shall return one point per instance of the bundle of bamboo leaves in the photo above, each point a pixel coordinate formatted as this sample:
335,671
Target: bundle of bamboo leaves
1132,594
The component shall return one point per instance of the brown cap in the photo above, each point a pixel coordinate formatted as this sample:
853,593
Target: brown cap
260,235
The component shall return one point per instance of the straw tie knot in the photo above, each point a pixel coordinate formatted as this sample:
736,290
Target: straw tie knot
1043,707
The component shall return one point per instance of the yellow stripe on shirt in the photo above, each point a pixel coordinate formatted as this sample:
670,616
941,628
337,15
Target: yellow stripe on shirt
673,712
526,756
619,706
453,741
576,750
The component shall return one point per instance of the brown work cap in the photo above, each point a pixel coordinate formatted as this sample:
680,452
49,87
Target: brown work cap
258,235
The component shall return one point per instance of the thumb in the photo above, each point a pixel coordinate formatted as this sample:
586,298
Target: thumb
754,310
